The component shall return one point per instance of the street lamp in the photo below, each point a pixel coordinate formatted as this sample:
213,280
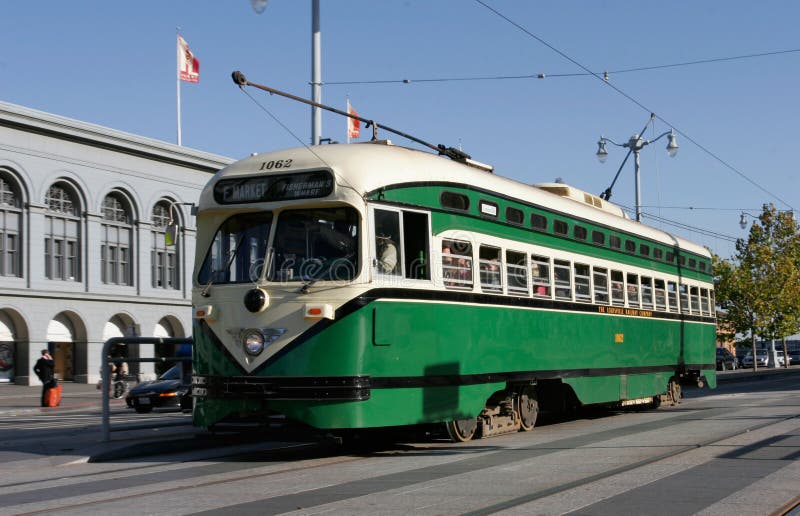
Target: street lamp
744,215
635,144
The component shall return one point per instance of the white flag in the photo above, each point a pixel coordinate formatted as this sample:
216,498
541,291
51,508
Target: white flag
188,65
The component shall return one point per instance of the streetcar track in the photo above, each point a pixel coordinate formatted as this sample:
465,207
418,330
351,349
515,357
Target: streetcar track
521,500
337,460
504,456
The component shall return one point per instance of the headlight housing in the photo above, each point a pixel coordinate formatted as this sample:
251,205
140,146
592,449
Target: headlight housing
253,342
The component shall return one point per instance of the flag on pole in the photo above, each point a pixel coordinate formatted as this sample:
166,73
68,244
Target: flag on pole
353,124
188,65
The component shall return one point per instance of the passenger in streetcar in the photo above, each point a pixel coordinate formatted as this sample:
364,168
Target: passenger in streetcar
387,254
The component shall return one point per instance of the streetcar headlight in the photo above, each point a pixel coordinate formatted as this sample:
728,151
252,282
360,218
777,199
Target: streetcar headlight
253,341
256,300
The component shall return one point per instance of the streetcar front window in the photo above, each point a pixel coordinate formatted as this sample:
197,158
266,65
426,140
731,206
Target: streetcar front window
238,250
316,245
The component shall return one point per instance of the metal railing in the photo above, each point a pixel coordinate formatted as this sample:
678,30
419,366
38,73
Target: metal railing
105,372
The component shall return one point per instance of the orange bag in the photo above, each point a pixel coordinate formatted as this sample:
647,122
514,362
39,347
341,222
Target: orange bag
52,396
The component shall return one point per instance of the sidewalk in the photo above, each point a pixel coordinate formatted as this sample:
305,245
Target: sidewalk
20,399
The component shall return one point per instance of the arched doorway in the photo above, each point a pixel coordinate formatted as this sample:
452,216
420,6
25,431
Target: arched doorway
8,347
122,325
169,327
61,343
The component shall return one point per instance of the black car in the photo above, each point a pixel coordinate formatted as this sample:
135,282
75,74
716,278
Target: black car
170,390
725,359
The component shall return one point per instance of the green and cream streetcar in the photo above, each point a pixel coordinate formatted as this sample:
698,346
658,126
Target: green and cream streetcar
371,285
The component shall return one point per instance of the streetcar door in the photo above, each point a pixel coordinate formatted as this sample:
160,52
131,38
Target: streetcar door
400,243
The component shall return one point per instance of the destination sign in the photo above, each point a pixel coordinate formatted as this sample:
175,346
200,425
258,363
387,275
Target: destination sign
302,185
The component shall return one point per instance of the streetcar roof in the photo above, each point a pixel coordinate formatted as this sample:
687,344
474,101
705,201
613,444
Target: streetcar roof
367,167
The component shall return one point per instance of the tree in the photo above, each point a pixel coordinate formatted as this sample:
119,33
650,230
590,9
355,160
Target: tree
759,289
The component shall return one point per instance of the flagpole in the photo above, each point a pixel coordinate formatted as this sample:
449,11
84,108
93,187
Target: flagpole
178,77
347,122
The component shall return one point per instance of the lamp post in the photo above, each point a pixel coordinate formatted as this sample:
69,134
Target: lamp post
635,144
316,66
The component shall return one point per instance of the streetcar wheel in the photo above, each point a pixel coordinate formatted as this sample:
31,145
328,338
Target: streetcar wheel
462,430
675,391
528,410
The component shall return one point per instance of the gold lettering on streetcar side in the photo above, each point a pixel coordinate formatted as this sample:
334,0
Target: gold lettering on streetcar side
619,338
624,311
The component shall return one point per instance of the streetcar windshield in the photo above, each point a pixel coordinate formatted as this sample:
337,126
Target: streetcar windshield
316,245
238,250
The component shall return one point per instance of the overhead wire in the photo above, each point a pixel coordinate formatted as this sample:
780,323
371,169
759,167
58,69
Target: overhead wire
634,101
685,226
543,75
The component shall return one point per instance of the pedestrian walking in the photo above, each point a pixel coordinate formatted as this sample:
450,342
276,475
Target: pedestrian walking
45,370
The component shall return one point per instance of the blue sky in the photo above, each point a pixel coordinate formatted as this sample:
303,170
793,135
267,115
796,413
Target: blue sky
113,64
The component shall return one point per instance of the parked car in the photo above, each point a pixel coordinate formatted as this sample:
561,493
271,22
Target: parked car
780,359
762,359
794,357
725,359
170,390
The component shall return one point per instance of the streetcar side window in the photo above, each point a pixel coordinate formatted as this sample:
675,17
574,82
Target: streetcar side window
579,232
713,306
560,227
490,266
672,296
647,292
598,237
644,250
658,254
695,298
704,307
582,283
517,273
661,295
633,290
617,288
614,242
600,277
630,246
514,215
457,264
540,275
683,290
387,240
563,279
455,201
416,245
538,222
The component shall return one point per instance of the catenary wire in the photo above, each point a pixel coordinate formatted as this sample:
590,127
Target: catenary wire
576,74
634,101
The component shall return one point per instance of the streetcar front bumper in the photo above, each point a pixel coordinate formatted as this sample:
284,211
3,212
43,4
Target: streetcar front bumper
338,388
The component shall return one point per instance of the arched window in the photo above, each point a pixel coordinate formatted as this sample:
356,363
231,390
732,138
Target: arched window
116,248
10,228
164,259
62,239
